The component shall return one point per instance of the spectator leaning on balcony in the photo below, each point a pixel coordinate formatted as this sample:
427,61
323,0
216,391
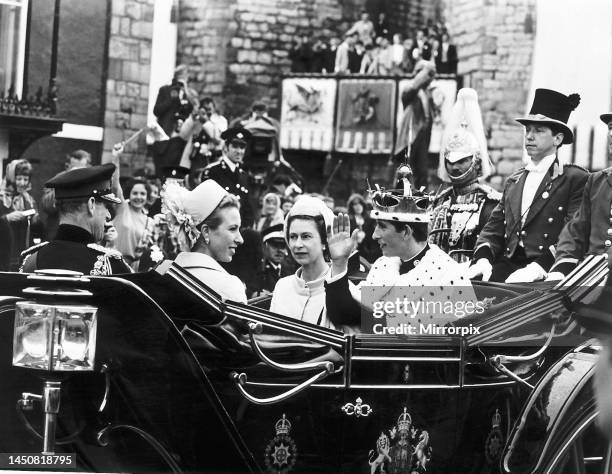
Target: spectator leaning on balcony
518,242
446,56
342,53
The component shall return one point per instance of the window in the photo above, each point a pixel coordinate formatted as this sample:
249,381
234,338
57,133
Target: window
13,17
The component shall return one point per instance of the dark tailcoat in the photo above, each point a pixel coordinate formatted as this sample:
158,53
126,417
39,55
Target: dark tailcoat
555,202
590,230
73,249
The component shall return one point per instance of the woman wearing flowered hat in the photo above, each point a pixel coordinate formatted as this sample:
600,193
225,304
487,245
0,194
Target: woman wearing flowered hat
207,222
302,295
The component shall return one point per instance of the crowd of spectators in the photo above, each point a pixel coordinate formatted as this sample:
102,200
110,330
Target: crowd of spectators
373,48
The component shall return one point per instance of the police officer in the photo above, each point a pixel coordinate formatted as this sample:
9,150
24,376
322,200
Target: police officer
228,173
590,230
517,243
275,264
83,196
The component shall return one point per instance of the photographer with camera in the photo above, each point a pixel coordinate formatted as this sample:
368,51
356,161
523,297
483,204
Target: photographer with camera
175,101
202,131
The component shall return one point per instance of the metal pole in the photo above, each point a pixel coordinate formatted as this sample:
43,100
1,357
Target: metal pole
51,402
54,43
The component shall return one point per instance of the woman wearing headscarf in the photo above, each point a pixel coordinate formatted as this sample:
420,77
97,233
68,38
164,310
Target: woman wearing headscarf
302,295
17,207
207,222
271,212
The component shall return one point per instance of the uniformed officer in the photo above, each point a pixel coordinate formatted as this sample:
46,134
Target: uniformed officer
83,196
228,173
590,230
517,243
462,210
274,265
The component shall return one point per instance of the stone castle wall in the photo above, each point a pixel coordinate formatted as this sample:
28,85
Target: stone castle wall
127,85
495,41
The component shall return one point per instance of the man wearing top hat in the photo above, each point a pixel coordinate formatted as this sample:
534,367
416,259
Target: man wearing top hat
228,172
83,198
410,265
590,230
518,242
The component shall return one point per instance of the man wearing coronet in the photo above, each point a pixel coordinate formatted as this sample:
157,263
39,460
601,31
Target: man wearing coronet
410,268
518,242
590,230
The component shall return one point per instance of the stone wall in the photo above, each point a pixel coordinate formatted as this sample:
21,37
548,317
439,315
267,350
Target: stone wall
127,85
237,50
495,41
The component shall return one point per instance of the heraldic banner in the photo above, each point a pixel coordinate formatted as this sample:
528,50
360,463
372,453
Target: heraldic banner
365,115
307,114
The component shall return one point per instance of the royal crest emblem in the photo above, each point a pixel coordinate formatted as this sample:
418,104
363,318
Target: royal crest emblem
404,448
281,452
495,439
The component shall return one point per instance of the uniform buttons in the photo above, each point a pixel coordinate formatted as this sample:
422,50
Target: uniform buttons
609,231
505,236
523,233
540,247
508,249
546,236
227,188
505,222
607,243
560,208
237,185
550,220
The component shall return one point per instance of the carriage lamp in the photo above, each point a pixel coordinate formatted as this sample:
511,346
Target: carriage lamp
54,337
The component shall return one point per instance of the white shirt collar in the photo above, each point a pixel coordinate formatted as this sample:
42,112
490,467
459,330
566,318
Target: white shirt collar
230,164
542,166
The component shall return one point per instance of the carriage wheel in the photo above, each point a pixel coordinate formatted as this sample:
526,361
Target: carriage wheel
584,451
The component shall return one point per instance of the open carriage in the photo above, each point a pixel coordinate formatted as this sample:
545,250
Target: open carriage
155,373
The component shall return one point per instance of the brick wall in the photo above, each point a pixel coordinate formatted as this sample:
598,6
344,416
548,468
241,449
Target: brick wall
127,85
495,41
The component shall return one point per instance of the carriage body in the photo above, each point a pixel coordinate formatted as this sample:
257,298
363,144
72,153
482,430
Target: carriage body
184,382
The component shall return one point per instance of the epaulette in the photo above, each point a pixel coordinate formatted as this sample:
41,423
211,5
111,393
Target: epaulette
109,252
518,172
491,193
32,249
211,165
443,194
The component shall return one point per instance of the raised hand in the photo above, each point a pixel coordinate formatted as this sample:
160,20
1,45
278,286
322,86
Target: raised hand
340,242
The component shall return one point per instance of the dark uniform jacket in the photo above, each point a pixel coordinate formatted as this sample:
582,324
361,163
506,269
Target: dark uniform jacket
555,202
268,274
462,216
73,249
590,230
235,182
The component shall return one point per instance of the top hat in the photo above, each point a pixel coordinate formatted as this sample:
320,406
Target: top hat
552,107
606,118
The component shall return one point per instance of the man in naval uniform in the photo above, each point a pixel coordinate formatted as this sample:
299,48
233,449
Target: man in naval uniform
418,270
462,210
590,230
83,198
518,242
228,173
